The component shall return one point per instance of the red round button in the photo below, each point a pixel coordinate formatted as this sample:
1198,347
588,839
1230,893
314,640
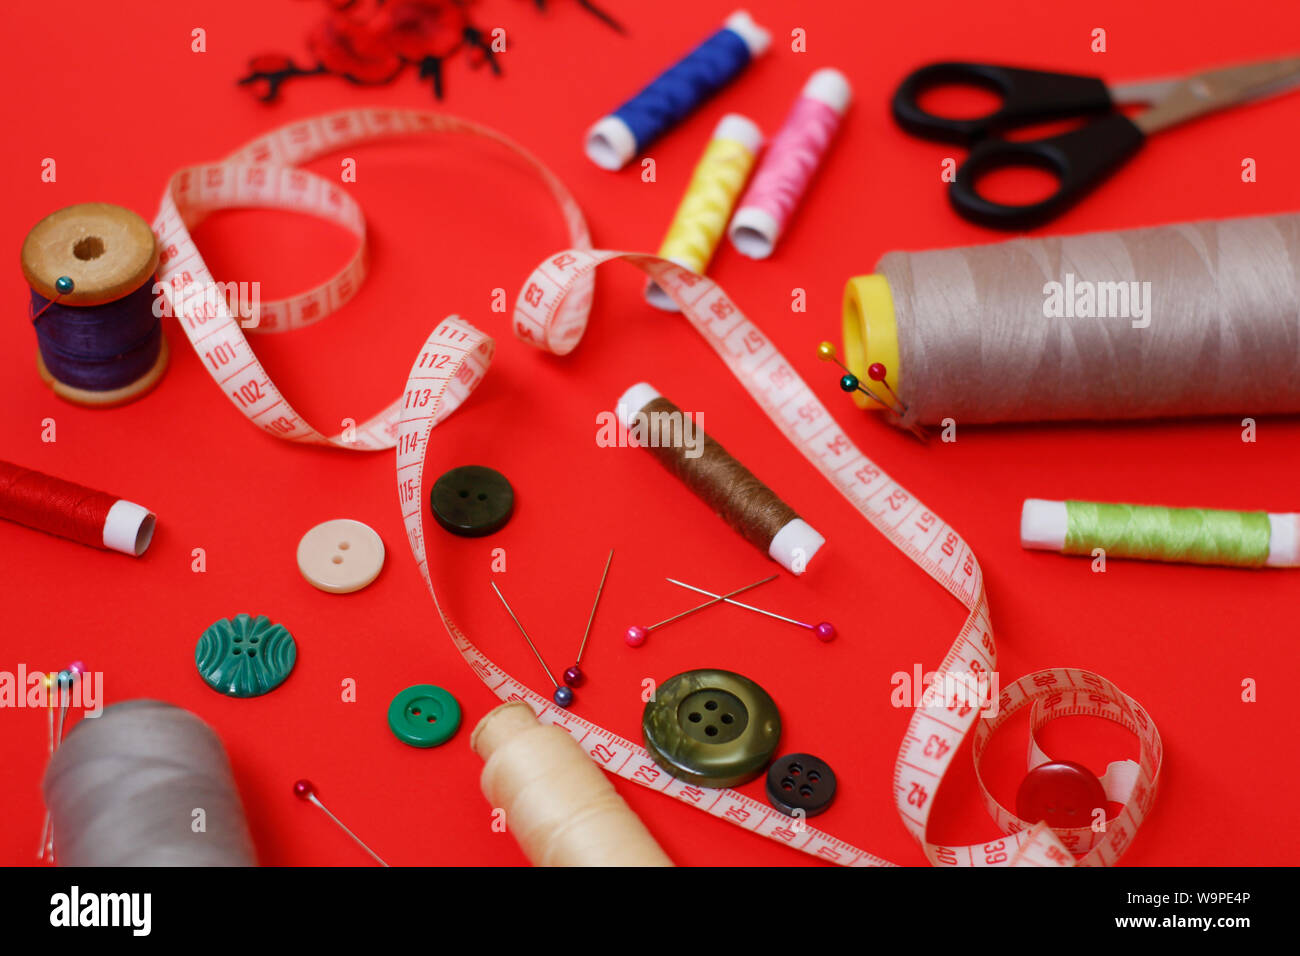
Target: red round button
1060,792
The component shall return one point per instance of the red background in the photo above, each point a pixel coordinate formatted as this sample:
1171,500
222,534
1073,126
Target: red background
118,99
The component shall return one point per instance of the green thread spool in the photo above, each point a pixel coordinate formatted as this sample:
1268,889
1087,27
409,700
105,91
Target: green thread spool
1245,539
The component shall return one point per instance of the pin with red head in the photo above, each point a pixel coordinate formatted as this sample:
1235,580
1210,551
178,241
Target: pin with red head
306,790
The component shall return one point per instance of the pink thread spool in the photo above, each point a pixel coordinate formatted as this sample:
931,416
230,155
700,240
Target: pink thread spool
788,168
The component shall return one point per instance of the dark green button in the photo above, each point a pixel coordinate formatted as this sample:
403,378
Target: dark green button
424,716
472,501
711,727
245,656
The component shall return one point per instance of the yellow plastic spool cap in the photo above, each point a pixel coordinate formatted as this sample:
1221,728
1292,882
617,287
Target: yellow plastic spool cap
870,335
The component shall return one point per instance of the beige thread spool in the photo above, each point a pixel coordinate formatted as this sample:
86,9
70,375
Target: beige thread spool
560,806
965,333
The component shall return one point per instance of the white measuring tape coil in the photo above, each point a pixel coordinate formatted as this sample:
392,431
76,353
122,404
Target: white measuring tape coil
551,313
263,175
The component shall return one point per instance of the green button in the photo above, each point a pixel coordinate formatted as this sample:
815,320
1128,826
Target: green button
245,656
712,728
424,716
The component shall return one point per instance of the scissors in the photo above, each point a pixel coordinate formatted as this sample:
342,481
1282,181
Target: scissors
1082,157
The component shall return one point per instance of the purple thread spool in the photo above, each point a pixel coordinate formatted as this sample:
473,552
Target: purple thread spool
91,268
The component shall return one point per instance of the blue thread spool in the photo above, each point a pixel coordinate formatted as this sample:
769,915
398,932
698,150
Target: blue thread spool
672,95
91,268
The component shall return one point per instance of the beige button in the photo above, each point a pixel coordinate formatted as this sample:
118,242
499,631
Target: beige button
340,555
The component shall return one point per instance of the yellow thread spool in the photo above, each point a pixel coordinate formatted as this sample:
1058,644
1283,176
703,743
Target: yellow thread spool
705,209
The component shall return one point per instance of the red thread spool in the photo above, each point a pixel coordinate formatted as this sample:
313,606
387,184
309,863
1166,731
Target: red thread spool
73,511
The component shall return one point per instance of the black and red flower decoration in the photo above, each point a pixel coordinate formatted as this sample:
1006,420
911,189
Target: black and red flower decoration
370,42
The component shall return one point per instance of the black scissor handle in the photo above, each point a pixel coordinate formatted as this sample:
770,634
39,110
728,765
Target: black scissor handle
1028,96
1080,159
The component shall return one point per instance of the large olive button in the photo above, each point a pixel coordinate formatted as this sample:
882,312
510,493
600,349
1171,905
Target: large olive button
711,727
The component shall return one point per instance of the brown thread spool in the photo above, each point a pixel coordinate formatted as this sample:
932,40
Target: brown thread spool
558,804
719,480
109,253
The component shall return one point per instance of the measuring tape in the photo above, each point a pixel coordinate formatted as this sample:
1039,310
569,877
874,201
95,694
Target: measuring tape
262,175
551,313
456,354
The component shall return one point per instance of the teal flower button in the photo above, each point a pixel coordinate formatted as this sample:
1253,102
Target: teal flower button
245,656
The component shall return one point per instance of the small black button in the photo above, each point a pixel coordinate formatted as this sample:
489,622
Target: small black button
472,501
800,782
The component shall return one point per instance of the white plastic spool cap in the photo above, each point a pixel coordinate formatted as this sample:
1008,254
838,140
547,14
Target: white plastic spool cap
1043,524
633,400
754,231
794,546
1284,541
128,528
755,37
610,143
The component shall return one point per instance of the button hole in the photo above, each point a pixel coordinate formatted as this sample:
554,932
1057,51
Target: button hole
796,769
695,718
711,705
415,711
711,730
805,791
787,784
813,776
343,545
337,559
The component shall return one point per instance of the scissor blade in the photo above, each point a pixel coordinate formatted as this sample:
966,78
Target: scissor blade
1211,90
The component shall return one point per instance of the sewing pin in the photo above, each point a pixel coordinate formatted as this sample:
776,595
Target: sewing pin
306,790
574,676
877,373
637,633
825,631
49,713
848,381
66,679
562,696
63,285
